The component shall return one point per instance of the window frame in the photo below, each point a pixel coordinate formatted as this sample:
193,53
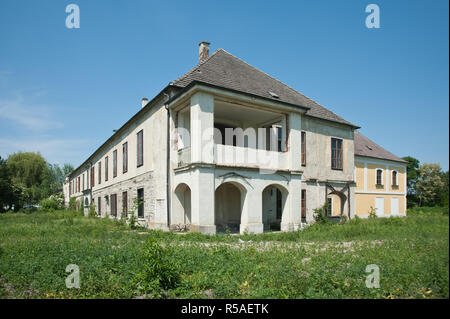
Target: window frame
303,148
396,178
99,179
114,163
125,203
124,157
340,158
106,168
303,203
140,148
140,203
378,169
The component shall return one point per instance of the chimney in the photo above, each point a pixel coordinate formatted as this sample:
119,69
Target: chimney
203,51
144,101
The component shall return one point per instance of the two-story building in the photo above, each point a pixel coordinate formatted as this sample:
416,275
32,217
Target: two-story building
226,146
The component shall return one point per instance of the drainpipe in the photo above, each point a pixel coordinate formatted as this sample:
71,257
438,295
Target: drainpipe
168,159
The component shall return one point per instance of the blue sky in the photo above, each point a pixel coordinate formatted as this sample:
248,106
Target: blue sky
63,91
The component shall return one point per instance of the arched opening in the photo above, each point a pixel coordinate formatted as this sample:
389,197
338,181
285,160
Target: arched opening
229,202
336,204
274,204
182,205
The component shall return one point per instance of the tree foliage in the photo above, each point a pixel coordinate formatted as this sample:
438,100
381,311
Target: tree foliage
26,178
429,184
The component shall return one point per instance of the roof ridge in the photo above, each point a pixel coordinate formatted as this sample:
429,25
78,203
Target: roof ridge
195,67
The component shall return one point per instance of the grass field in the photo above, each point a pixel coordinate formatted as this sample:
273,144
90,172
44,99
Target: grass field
322,261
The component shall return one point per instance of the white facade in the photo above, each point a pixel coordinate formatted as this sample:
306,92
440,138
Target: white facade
210,184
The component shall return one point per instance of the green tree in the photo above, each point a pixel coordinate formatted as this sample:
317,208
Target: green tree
28,171
411,179
429,184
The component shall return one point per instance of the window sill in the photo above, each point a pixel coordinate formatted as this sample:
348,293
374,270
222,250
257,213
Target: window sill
337,169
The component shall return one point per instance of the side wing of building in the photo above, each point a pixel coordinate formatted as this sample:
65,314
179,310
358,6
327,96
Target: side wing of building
380,187
129,166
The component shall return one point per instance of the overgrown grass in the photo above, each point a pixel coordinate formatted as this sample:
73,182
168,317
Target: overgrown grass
321,261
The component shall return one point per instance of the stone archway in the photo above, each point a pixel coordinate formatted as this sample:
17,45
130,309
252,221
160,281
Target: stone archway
340,200
229,203
274,206
181,212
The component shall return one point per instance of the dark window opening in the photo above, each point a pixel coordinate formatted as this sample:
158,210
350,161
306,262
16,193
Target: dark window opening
140,196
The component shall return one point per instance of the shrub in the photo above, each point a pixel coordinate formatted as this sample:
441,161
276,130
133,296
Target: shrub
320,214
72,203
92,212
372,212
48,204
159,270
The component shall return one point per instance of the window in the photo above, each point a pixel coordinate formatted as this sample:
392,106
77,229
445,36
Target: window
78,182
125,157
99,173
336,153
106,168
379,176
99,205
92,176
83,182
394,178
114,205
279,139
140,148
125,203
70,188
330,206
114,163
303,203
303,148
140,196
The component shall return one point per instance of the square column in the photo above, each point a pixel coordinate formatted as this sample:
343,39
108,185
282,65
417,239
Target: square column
251,218
202,128
293,206
202,203
295,141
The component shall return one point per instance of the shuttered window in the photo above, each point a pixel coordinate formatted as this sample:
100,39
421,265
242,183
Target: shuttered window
114,205
99,172
336,153
303,148
125,203
303,203
115,163
140,148
99,206
92,176
125,157
106,168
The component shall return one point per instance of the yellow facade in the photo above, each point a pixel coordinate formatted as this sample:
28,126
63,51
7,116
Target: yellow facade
385,199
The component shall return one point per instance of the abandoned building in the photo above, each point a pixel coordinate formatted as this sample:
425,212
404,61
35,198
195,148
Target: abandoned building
226,146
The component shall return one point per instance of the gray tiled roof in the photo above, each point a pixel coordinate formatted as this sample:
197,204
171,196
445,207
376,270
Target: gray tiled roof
365,147
225,70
